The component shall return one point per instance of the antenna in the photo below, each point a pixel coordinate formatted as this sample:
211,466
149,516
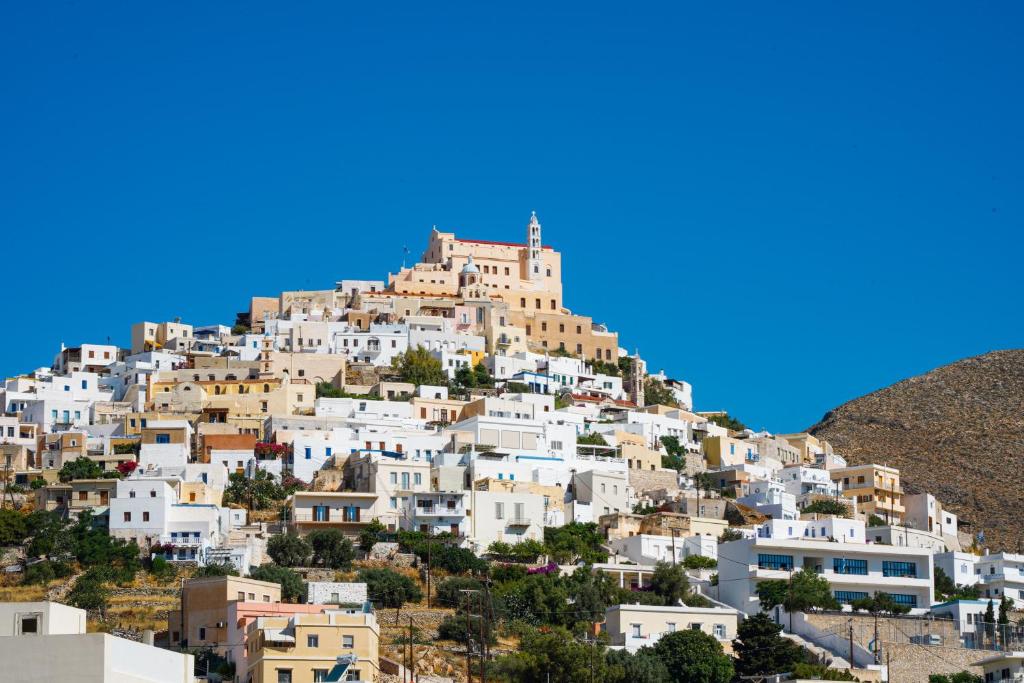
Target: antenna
405,254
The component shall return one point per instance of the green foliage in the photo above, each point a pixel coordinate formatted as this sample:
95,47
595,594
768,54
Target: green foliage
575,542
656,393
388,588
440,552
641,509
676,454
162,570
13,527
728,421
761,650
132,448
671,584
256,493
454,626
827,507
80,468
527,550
89,593
641,667
417,366
700,562
694,656
448,592
46,571
471,378
879,603
808,591
518,388
216,569
730,534
820,672
289,550
371,534
875,520
591,439
551,655
239,328
331,549
328,390
962,677
602,367
292,587
37,483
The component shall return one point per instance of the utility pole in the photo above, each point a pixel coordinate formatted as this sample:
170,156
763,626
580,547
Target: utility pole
851,642
888,670
412,655
483,643
790,607
430,536
877,644
673,546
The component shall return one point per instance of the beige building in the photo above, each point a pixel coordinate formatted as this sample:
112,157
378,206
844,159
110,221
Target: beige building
876,488
201,620
336,644
636,626
624,525
347,511
148,336
76,496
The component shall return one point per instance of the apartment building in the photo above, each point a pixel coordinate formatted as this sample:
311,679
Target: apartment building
876,488
854,570
346,511
635,626
202,619
147,336
333,645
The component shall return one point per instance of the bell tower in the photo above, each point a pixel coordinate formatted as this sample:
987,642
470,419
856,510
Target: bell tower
534,263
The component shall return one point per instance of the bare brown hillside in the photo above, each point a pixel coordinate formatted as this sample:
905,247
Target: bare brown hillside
956,432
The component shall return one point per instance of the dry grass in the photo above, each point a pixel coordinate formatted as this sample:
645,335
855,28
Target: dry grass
23,593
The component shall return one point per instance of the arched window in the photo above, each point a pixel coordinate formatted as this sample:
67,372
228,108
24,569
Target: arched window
266,388
241,388
216,390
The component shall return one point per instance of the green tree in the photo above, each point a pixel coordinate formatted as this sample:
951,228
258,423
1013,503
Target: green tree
216,569
671,583
657,394
879,603
592,439
551,655
772,592
695,657
482,376
331,549
292,587
453,627
827,507
961,677
13,527
255,493
388,588
371,534
700,562
575,542
821,672
875,520
809,590
448,592
80,468
641,667
761,650
162,570
417,366
728,421
89,593
328,390
289,550
730,534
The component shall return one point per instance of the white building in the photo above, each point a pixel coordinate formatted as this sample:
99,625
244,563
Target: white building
437,512
504,516
648,549
960,567
854,570
148,512
635,626
47,641
1001,574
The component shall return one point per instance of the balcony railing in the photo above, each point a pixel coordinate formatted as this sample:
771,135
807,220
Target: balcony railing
441,511
518,521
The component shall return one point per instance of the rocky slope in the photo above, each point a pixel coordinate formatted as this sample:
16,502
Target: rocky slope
956,432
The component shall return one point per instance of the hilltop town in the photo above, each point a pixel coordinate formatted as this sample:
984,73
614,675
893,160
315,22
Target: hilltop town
450,475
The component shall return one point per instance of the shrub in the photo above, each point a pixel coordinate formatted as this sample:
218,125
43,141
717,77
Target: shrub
292,587
162,570
388,588
289,550
448,592
700,562
331,549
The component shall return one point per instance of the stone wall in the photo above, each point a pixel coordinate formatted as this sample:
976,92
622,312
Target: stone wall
911,663
323,592
642,480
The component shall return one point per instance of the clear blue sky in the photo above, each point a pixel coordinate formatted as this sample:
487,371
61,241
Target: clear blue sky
786,205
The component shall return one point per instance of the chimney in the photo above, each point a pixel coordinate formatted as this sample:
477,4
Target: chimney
147,637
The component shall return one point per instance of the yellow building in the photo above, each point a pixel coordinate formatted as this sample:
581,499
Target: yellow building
201,620
148,336
725,451
311,647
876,489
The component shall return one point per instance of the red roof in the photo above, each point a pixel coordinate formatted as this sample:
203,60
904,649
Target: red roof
500,244
594,399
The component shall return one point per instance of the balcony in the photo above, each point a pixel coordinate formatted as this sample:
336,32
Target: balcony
441,511
518,521
503,340
333,517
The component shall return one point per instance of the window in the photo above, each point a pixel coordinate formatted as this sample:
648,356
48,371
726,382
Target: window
417,479
145,516
127,516
202,633
241,595
309,453
766,561
29,624
163,438
719,631
319,675
348,641
670,627
152,493
847,597
284,676
636,630
266,598
312,641
893,568
252,596
843,566
499,511
903,599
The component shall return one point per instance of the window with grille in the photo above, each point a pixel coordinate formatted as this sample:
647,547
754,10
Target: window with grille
843,566
765,561
893,568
